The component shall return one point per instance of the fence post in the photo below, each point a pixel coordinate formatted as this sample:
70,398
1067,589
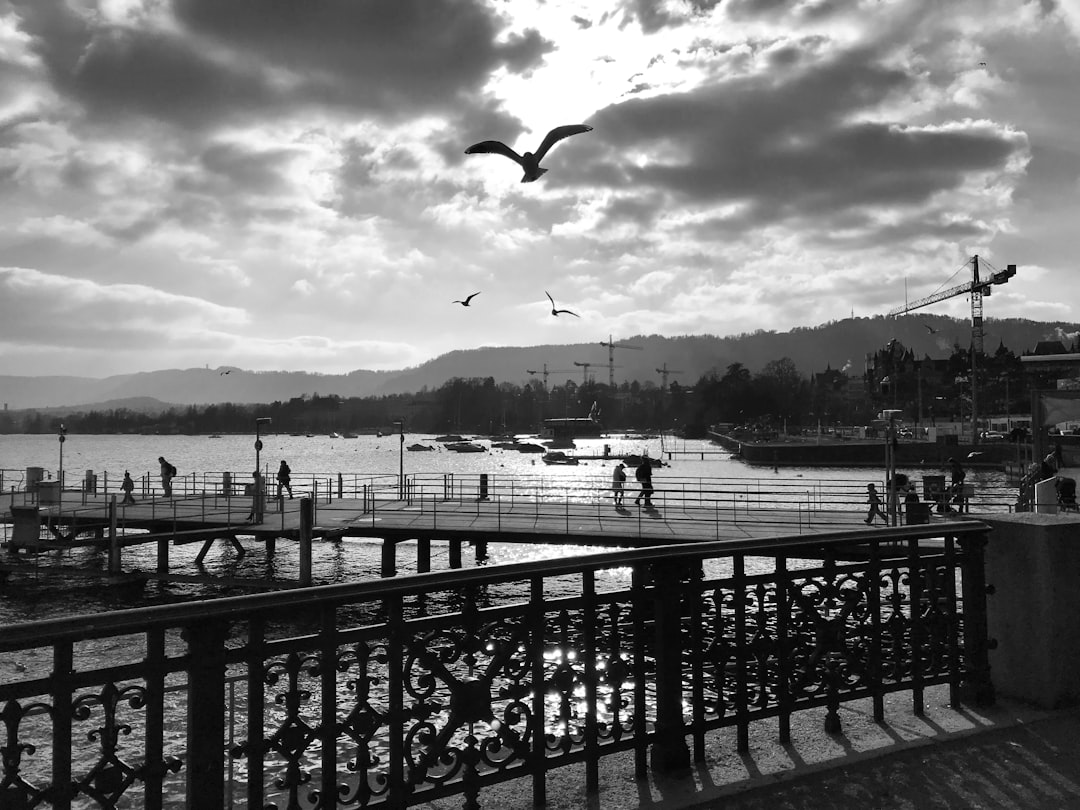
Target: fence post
206,715
977,688
114,546
670,752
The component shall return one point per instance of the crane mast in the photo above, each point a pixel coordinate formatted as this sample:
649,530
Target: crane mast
664,372
611,347
977,287
548,371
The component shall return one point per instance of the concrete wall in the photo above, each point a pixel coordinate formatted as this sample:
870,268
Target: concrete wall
1033,563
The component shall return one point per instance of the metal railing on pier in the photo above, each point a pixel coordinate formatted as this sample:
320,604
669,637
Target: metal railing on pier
397,692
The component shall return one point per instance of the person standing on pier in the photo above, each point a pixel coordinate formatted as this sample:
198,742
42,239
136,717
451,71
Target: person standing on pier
284,477
127,487
168,472
644,475
875,505
618,478
956,481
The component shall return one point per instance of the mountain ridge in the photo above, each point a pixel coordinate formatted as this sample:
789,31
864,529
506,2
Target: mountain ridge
839,345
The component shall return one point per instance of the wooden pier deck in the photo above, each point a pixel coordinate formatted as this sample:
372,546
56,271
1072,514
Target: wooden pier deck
84,522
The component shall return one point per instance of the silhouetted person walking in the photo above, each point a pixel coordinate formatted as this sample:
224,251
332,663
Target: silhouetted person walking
127,487
284,477
875,505
168,473
644,477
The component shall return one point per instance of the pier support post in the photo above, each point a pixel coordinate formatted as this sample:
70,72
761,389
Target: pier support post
163,555
389,558
114,545
455,554
423,555
307,521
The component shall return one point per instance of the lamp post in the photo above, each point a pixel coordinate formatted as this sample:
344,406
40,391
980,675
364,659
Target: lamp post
61,436
960,387
257,505
1008,408
400,424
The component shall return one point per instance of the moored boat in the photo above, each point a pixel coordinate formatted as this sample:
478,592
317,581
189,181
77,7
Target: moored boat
466,447
558,457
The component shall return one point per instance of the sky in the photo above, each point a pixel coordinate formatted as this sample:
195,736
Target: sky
283,184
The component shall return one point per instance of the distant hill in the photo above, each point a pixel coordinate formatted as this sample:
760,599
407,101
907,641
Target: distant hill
839,345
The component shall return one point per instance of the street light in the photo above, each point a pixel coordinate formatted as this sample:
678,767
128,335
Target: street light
257,496
400,424
60,473
1008,408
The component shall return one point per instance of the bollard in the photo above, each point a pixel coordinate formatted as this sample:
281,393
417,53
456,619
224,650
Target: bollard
307,523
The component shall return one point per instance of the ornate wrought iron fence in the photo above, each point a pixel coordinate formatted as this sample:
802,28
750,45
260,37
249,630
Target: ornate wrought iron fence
396,692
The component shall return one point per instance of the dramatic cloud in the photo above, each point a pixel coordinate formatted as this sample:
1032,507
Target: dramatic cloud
284,184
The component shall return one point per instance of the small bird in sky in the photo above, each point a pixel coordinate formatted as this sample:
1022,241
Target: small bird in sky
930,329
974,454
465,303
557,312
530,161
227,371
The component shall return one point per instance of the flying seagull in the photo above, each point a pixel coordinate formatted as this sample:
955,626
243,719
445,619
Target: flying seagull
530,161
465,303
556,312
930,329
225,372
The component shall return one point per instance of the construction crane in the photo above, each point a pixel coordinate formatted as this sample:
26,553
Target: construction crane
585,370
977,287
548,371
664,372
611,347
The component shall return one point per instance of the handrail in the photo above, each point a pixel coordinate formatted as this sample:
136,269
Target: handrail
436,684
155,616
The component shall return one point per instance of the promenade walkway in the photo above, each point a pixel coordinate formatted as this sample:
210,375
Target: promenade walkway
1005,757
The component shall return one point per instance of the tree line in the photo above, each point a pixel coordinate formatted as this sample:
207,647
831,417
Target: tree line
776,395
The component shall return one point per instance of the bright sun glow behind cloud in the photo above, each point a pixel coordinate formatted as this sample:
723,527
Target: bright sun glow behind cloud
285,185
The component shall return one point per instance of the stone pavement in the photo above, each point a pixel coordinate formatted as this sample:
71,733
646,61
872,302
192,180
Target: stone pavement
1031,764
1008,756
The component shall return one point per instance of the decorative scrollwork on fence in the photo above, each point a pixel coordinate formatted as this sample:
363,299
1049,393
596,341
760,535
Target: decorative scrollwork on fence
15,791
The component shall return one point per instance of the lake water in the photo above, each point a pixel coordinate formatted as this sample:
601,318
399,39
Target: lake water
325,457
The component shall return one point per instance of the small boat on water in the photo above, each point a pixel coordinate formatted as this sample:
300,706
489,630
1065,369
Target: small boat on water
558,457
335,435
530,447
466,447
349,436
635,461
449,437
215,435
560,443
417,447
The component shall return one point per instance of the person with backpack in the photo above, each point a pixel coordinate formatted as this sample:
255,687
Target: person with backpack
644,477
168,473
284,478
